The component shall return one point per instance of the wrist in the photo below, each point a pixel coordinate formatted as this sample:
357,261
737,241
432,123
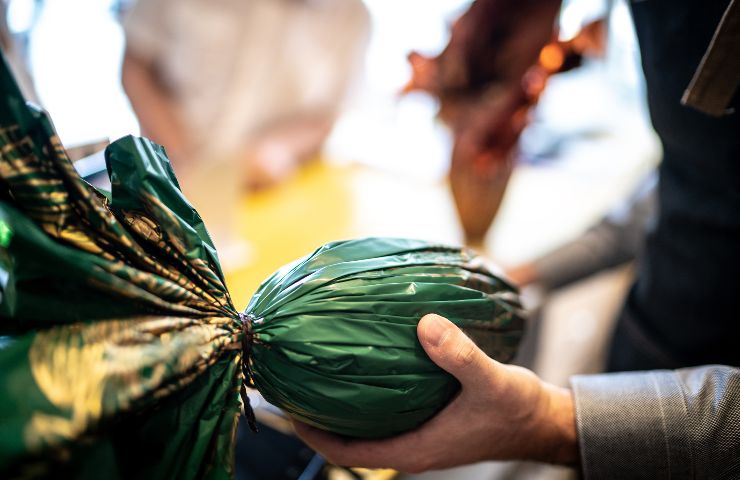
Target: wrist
561,440
547,430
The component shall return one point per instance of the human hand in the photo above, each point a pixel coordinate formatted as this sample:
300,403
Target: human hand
522,274
502,412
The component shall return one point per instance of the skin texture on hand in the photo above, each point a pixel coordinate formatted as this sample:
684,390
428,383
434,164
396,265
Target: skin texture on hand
502,412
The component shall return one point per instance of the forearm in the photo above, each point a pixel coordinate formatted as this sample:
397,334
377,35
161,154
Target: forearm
563,437
152,105
615,240
683,422
644,424
597,249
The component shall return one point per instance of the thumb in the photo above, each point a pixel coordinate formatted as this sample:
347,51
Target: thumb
452,350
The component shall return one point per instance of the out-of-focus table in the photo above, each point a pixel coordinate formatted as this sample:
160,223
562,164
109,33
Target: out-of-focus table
326,201
545,205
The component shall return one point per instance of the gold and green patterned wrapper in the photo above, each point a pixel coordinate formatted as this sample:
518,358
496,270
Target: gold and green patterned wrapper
119,345
122,355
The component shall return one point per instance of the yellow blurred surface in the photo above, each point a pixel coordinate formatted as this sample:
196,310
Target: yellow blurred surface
376,474
326,202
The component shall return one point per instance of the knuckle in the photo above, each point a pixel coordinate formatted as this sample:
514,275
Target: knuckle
465,353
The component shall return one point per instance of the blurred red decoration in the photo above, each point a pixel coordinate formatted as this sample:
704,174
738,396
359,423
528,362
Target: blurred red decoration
486,122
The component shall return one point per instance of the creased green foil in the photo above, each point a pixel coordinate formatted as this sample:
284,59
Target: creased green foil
121,352
335,333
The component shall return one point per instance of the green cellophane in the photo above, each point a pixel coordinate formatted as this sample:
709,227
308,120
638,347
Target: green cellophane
119,344
335,333
122,355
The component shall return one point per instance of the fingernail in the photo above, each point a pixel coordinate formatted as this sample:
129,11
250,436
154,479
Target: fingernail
435,330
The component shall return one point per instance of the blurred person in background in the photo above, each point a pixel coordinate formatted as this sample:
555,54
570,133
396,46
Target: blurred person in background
16,56
254,85
614,240
683,307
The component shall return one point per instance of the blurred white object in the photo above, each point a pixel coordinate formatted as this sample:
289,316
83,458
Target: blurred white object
236,68
214,190
17,17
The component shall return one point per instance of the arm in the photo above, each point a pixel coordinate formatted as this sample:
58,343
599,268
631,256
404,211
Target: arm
153,106
502,412
624,423
685,422
615,240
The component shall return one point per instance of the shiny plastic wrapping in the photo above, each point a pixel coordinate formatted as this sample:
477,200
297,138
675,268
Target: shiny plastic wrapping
119,344
335,340
122,355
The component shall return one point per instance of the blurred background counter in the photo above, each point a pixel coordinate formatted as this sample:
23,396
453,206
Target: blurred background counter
383,167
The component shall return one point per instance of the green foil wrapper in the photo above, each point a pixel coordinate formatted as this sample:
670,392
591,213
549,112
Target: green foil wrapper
120,348
335,341
122,355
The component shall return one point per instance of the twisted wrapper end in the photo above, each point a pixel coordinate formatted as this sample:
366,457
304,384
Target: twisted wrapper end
247,340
